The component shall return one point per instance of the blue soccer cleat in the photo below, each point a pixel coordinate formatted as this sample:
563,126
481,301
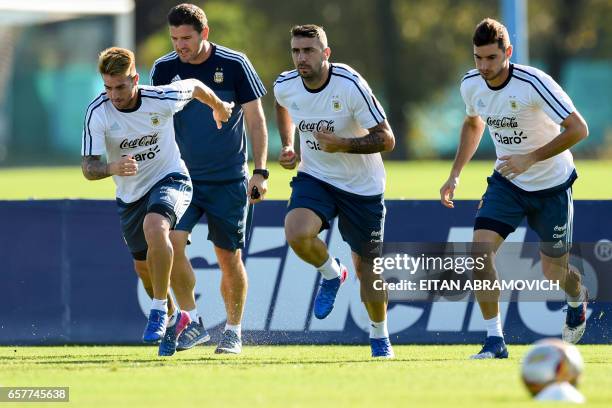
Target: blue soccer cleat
230,343
324,302
156,326
381,348
494,347
195,333
167,347
575,323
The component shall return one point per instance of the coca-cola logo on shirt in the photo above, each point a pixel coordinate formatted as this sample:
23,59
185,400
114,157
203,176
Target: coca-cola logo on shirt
319,126
142,141
504,122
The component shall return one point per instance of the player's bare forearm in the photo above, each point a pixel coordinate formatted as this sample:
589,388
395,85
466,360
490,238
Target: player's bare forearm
576,130
471,133
94,168
256,125
285,125
379,139
206,95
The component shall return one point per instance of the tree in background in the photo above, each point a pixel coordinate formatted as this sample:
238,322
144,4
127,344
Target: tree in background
412,52
564,29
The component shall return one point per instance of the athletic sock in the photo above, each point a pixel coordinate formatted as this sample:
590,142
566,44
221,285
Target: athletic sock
236,328
575,301
174,317
193,314
330,269
160,304
378,330
494,327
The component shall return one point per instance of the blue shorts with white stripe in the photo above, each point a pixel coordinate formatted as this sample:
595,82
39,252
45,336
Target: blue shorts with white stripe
549,212
170,197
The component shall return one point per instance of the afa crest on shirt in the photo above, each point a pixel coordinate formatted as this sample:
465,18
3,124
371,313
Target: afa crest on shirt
336,105
155,119
513,103
218,77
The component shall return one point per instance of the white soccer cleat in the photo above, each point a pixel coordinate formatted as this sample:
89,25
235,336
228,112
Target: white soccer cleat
575,323
573,334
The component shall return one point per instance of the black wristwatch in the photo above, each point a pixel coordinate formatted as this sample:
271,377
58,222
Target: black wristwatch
263,172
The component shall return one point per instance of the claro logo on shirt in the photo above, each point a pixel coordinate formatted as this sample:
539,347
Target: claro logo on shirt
148,154
515,139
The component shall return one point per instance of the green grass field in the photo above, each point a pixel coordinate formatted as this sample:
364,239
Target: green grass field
405,180
288,376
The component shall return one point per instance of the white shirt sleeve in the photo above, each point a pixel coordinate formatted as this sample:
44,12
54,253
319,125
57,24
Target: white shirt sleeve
467,99
363,104
94,131
278,96
551,98
177,95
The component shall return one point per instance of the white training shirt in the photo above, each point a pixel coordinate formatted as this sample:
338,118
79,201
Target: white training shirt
146,132
346,106
523,114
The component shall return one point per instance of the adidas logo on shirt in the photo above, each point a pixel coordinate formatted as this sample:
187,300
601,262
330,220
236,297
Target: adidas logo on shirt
115,126
480,103
176,78
294,106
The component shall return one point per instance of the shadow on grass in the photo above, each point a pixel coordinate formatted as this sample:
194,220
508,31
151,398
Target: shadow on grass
211,361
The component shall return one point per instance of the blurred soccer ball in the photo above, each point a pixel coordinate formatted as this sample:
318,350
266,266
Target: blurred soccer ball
551,361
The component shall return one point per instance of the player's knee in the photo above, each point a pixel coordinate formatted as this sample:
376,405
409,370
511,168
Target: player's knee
156,229
297,235
364,269
301,227
483,251
230,261
485,261
487,237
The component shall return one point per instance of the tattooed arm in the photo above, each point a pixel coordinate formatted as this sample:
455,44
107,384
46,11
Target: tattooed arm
379,139
94,168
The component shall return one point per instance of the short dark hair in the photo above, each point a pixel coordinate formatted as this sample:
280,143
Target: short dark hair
490,31
310,31
188,14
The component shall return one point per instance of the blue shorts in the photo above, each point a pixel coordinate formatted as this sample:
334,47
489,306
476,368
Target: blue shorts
170,197
549,212
361,219
226,206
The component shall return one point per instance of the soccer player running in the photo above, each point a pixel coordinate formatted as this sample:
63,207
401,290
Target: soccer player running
342,130
132,125
524,109
217,162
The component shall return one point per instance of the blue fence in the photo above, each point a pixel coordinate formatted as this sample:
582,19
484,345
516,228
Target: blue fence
67,277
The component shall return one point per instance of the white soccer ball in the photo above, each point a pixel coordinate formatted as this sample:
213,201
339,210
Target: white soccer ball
551,361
